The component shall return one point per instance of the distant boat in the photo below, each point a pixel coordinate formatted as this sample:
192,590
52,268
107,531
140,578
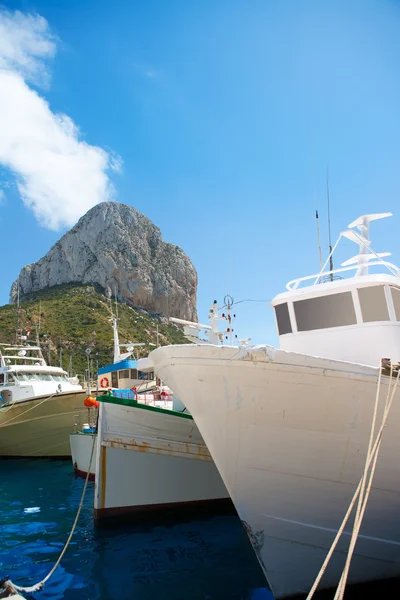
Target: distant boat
288,428
38,404
123,379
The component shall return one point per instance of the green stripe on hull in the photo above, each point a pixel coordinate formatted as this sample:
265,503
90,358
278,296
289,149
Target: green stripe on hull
110,399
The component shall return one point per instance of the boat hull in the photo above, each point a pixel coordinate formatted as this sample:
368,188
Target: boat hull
39,427
149,459
81,451
289,435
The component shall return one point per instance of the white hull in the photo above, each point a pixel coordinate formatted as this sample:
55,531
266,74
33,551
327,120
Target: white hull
34,428
81,451
148,459
289,435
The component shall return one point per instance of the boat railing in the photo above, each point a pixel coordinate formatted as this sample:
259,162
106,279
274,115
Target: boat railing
317,278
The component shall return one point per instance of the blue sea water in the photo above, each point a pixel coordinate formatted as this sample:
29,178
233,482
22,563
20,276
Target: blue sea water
205,559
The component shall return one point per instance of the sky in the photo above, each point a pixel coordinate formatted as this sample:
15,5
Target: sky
217,119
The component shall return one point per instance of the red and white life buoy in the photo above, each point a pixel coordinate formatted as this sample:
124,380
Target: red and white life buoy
104,382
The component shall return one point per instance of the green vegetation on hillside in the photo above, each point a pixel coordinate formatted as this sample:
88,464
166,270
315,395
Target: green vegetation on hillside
70,319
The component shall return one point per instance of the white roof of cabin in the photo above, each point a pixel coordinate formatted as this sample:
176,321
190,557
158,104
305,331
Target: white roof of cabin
336,286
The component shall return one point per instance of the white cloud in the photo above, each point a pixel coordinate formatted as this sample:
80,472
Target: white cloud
59,176
25,42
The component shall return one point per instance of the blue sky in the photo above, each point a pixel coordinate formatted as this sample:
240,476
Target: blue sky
217,120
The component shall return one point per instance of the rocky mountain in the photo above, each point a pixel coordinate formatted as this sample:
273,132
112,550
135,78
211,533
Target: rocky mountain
119,250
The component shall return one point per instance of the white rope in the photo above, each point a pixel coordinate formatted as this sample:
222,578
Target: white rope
373,455
38,586
363,499
27,410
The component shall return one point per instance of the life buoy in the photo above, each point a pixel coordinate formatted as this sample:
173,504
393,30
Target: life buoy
104,382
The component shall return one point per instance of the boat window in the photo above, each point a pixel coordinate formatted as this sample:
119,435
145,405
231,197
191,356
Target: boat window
114,379
45,377
21,377
396,302
10,378
1,378
145,375
373,303
57,378
322,312
124,374
31,377
283,319
134,374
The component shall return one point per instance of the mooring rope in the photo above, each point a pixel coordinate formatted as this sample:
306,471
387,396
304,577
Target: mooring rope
38,586
371,458
27,410
363,498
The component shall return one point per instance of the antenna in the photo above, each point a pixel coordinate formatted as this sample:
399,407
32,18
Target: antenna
329,225
17,319
319,241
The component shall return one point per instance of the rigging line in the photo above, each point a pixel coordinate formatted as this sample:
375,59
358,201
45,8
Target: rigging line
250,300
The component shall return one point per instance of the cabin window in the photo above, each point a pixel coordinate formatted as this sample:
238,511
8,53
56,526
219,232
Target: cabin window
134,374
124,374
283,319
373,304
45,377
2,379
396,302
146,375
114,379
323,312
31,377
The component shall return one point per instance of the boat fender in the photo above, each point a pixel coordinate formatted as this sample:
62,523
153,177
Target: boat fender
104,382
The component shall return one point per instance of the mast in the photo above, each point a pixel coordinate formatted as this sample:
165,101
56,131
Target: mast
117,355
17,340
319,241
329,225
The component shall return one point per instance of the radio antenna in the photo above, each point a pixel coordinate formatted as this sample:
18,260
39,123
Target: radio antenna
319,241
329,224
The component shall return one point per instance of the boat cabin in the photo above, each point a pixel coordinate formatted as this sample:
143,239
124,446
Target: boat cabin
124,375
354,319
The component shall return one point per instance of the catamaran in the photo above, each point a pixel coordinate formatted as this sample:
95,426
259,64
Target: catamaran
290,428
38,404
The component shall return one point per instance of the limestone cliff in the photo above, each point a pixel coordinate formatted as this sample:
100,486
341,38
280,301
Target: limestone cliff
119,249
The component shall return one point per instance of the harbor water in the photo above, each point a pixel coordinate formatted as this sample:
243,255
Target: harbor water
208,558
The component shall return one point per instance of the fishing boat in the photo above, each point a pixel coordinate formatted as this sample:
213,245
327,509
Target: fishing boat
152,458
126,382
38,404
293,429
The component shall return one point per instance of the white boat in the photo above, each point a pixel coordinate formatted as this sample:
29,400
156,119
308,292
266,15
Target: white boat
126,382
38,404
81,442
150,455
151,459
289,428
